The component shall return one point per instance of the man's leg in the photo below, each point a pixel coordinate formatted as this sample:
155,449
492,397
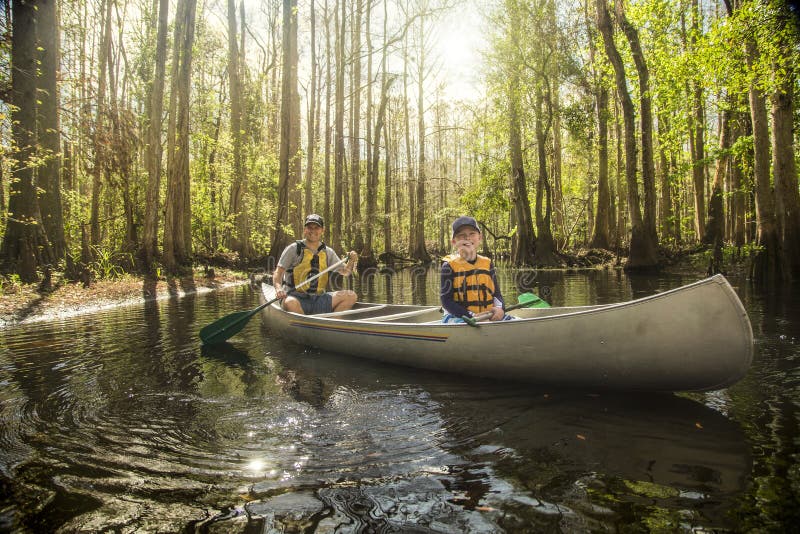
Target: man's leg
343,300
292,304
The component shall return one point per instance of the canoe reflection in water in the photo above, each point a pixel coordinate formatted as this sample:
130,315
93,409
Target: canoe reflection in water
382,448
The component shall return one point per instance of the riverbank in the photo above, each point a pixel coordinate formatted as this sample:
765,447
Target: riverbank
22,304
28,303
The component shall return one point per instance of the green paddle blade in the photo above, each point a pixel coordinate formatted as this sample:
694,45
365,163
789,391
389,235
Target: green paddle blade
530,300
227,327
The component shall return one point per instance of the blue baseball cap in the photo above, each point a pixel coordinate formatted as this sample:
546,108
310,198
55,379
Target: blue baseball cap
464,221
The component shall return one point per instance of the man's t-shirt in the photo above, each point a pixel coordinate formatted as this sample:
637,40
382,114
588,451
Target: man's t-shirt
290,259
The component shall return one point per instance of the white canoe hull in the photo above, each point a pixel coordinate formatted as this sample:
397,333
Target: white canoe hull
693,338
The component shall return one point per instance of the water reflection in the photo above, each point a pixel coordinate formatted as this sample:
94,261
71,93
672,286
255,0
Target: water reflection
493,446
121,420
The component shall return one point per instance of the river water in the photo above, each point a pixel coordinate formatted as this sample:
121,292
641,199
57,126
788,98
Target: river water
121,421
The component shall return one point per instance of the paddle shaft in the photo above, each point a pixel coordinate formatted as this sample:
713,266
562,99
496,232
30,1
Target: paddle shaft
485,315
225,328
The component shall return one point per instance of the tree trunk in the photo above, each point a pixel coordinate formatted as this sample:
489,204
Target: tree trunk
619,208
419,252
524,240
714,233
387,175
49,129
100,130
696,138
412,213
666,215
737,187
153,146
559,224
338,180
372,186
177,228
239,240
784,170
328,85
545,253
308,204
388,186
601,239
767,266
290,131
646,120
367,255
355,134
25,245
642,253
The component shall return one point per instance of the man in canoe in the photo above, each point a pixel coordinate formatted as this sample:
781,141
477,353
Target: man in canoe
469,287
305,259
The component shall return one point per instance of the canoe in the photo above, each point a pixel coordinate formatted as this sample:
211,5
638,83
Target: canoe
693,338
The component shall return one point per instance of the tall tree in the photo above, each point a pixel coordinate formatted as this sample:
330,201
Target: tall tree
697,134
601,231
545,253
355,133
784,169
25,245
601,238
239,239
522,245
714,233
419,252
308,205
177,225
49,130
153,146
642,253
101,132
328,86
767,265
545,112
290,130
646,121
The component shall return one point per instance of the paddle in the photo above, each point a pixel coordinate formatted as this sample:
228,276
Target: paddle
230,325
525,300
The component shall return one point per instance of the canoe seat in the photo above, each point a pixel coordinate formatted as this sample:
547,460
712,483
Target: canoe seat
395,316
335,315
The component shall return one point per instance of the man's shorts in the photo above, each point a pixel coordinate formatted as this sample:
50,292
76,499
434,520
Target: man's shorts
314,303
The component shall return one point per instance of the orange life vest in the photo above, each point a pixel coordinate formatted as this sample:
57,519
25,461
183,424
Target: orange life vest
311,264
473,286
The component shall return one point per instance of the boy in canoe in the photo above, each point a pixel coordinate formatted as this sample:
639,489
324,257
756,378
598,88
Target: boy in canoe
469,285
304,259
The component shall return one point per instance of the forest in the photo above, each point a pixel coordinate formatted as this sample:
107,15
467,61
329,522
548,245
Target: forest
151,136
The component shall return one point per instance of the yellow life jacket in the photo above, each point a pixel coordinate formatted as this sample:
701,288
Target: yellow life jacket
473,286
311,264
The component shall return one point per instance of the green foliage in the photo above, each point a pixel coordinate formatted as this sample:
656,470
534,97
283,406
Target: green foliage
10,283
107,264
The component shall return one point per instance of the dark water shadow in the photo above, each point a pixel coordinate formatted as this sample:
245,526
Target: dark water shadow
226,353
149,288
660,438
187,284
